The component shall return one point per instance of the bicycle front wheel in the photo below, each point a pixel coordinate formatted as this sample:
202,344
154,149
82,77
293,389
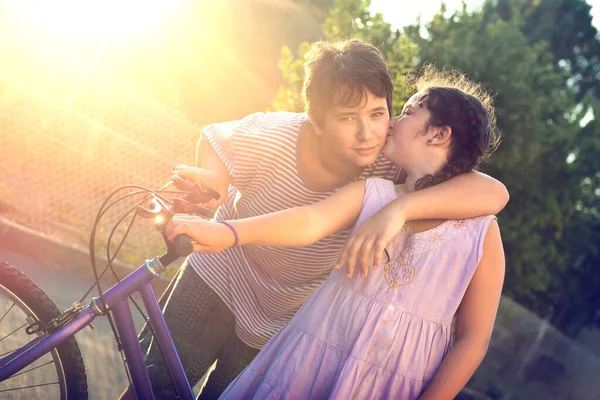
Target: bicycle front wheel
60,374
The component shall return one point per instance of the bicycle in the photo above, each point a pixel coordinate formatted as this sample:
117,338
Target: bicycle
52,332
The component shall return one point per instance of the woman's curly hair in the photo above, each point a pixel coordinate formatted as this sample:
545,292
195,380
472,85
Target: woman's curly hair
466,107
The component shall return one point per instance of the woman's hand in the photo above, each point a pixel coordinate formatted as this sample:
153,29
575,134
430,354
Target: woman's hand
209,178
207,236
369,241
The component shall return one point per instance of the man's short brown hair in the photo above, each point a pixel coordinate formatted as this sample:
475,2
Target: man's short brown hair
341,73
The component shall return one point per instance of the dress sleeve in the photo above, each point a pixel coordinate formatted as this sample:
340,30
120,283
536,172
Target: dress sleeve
383,191
378,193
484,224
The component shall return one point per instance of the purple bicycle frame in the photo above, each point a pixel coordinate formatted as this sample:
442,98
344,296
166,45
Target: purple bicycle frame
116,299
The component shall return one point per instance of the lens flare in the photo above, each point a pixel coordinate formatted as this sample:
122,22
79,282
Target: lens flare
96,19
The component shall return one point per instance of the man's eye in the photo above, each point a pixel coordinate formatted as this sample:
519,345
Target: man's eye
377,114
346,119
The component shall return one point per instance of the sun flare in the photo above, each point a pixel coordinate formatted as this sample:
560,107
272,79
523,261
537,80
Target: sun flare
96,19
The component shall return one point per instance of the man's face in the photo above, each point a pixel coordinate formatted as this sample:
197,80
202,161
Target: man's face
355,135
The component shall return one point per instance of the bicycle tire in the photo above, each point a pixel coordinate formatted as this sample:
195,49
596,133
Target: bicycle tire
69,367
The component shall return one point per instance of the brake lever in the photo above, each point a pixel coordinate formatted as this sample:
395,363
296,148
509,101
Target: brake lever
162,212
201,190
198,192
185,207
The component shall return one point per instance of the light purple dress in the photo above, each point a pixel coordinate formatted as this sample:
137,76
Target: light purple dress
383,336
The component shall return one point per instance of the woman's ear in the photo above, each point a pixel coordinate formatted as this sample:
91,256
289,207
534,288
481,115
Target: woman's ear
442,136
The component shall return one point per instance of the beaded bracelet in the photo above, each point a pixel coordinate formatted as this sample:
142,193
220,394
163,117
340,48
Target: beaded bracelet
237,238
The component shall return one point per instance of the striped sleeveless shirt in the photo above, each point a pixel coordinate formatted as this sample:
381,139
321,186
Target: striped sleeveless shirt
265,286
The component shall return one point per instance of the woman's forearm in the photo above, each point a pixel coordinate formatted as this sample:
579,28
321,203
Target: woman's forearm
298,226
464,196
456,370
301,226
287,228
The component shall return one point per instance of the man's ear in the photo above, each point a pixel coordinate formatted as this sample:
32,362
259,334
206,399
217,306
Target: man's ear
314,125
442,136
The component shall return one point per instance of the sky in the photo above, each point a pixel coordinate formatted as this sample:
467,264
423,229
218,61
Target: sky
401,14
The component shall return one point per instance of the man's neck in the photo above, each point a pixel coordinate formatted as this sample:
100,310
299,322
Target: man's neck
319,169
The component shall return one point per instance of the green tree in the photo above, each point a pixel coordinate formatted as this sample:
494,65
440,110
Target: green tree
540,118
566,26
575,290
548,161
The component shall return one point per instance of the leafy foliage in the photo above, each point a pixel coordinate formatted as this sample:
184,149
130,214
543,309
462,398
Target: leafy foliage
349,19
541,61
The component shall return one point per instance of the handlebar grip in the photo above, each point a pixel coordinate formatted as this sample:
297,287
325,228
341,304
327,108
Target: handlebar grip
183,245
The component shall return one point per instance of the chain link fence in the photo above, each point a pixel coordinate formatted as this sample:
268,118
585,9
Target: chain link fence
69,139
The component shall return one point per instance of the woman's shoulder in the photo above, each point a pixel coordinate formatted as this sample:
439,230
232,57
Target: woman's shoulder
483,220
470,224
376,183
473,230
379,192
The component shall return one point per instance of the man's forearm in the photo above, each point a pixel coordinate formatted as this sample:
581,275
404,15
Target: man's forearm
464,196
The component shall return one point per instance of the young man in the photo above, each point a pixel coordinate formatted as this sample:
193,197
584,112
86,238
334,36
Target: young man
226,306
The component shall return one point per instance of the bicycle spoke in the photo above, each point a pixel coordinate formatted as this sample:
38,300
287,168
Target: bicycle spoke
29,387
29,345
60,370
6,313
21,327
31,369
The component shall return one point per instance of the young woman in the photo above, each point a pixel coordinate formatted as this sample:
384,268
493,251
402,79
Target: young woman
387,334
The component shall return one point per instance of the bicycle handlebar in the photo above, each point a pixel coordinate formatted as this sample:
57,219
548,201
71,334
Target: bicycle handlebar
162,212
183,245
